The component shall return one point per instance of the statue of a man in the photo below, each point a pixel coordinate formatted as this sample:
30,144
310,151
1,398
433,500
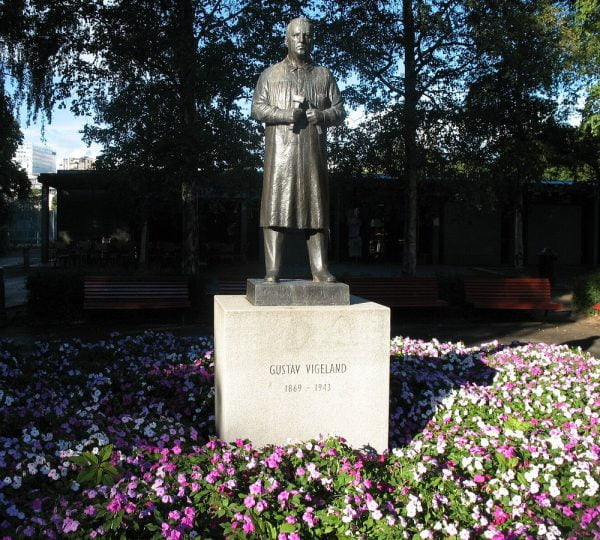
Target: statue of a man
297,101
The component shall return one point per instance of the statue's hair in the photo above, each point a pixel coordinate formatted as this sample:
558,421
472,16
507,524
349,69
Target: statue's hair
298,19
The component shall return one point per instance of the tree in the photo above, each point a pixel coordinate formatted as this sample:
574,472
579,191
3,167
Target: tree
511,96
581,46
414,53
166,84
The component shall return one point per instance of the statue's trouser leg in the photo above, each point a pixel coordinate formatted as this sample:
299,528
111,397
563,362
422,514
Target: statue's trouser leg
316,242
273,247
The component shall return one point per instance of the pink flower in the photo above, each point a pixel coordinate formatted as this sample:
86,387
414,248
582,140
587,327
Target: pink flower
114,506
189,512
70,525
130,508
283,497
507,451
261,505
309,518
291,519
248,526
257,488
479,478
500,516
174,514
249,501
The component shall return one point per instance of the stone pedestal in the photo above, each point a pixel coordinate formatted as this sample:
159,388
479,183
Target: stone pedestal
297,372
296,292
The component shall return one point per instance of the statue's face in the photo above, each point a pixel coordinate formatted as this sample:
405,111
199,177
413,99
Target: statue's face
299,40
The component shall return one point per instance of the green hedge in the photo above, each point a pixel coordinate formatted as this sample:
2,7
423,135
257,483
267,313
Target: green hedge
587,292
55,296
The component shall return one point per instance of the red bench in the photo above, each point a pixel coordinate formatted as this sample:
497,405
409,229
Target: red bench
131,292
400,292
510,293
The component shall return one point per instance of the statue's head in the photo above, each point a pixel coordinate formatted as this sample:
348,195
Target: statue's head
299,38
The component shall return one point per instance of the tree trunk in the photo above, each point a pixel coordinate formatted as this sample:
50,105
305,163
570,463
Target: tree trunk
410,140
185,59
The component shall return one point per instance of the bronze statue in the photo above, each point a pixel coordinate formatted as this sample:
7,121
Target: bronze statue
297,101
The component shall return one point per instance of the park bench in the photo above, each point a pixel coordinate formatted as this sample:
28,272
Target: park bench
510,293
129,292
397,292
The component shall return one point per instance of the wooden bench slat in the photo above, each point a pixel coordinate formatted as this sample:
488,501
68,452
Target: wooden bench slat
123,292
510,293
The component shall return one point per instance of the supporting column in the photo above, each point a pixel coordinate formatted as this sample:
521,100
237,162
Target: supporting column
243,231
45,223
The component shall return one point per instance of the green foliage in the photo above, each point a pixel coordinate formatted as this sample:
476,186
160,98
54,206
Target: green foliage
586,292
55,296
581,41
96,469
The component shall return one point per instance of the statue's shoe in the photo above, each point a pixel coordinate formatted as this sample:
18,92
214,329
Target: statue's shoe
272,277
324,277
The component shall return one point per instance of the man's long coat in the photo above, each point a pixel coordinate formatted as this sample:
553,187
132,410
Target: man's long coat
295,187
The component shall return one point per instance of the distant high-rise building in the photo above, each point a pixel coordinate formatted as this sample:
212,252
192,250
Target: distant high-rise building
77,164
35,159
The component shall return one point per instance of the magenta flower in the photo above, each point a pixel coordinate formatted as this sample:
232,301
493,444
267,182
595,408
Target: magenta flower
500,516
309,518
283,497
174,514
257,488
249,501
248,526
70,525
114,506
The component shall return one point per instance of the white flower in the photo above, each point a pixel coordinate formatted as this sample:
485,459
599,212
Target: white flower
593,487
534,488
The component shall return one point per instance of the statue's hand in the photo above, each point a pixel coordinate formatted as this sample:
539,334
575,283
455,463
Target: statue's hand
314,116
298,115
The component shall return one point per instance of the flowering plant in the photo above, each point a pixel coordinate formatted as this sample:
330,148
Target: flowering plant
114,439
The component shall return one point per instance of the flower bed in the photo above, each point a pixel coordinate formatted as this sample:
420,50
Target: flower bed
113,439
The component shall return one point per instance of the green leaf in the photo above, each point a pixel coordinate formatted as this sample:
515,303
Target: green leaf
106,452
80,460
86,477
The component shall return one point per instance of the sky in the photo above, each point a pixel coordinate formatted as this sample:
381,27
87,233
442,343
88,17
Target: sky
62,135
